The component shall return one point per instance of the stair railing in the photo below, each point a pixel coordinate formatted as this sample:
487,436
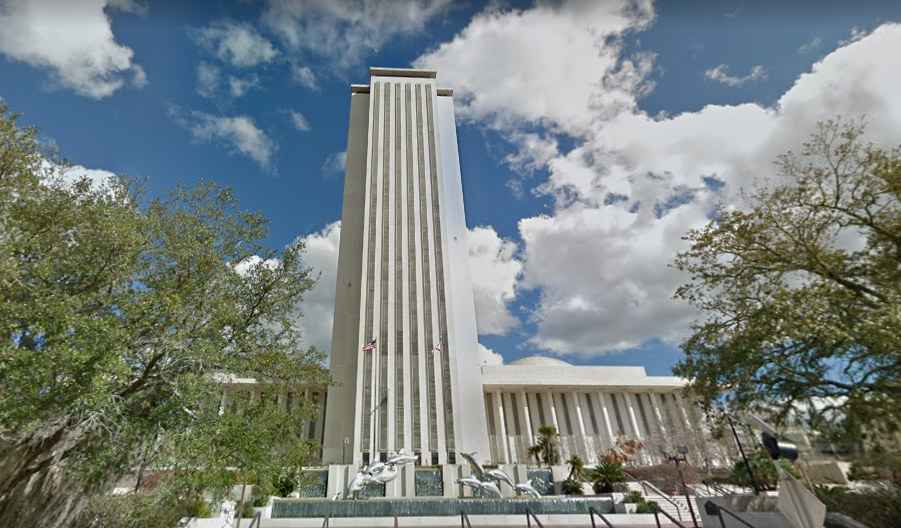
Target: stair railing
715,509
658,512
592,512
464,517
531,515
647,485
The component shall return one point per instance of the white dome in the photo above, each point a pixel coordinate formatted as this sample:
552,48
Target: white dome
541,361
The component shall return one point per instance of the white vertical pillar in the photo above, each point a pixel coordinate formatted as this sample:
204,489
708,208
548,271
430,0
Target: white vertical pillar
552,411
577,408
525,419
680,403
655,403
500,428
605,416
632,421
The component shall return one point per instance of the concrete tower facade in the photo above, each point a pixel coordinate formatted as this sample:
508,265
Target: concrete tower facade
403,281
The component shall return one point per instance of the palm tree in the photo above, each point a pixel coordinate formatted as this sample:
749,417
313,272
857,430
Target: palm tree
575,467
605,475
545,450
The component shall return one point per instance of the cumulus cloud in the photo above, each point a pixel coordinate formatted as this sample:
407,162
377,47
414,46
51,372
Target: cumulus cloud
237,44
720,74
238,135
545,64
347,31
73,41
489,357
634,184
334,164
318,305
304,76
495,272
298,120
810,46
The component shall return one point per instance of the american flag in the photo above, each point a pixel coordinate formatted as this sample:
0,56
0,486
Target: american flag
437,348
370,346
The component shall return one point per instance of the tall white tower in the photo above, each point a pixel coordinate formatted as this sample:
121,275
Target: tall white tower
403,281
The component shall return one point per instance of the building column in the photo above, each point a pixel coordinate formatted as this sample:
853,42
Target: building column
577,404
524,418
632,421
655,403
552,411
680,403
500,427
605,416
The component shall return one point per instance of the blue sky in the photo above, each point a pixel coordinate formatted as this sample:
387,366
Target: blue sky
587,130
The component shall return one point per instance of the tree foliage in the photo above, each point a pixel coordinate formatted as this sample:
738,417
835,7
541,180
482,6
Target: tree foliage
800,289
546,449
118,316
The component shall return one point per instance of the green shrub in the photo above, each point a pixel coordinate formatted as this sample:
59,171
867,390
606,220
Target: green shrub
283,485
875,509
646,506
633,497
247,511
199,509
571,487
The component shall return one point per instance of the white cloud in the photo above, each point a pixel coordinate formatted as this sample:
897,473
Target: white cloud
347,31
634,184
208,79
239,86
299,121
74,41
545,64
304,76
334,164
237,44
489,357
810,46
237,134
720,74
495,271
318,304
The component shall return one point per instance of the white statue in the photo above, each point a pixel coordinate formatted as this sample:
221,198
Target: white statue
491,488
499,476
402,458
472,482
528,489
477,468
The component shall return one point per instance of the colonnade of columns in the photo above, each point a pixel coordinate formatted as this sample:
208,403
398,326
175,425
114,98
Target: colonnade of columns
588,420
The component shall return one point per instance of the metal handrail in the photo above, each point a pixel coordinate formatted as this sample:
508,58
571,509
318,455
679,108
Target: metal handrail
658,491
325,521
464,517
658,511
395,519
257,519
592,512
531,515
719,513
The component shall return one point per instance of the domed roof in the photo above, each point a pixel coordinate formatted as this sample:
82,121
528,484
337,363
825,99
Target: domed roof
541,361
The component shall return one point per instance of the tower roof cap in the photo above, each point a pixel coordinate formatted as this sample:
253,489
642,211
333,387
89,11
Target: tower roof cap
402,72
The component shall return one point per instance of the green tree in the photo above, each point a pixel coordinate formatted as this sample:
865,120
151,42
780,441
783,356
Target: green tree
800,289
119,317
576,466
605,475
545,449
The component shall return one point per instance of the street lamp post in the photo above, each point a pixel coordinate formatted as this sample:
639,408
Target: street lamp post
682,450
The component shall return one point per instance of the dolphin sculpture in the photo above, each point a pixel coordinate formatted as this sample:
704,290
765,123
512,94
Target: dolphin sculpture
477,468
374,468
500,476
336,496
491,488
472,482
386,474
527,488
359,481
402,458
